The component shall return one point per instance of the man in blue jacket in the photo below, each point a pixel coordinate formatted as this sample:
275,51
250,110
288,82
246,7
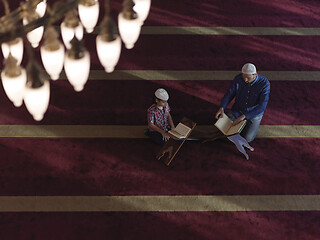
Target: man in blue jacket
251,92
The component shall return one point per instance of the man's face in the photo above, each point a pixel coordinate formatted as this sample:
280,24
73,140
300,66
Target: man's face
249,78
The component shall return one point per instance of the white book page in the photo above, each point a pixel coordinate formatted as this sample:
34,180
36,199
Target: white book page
181,131
223,123
176,134
236,129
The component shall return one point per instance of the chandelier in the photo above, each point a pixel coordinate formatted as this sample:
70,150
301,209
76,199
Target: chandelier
33,22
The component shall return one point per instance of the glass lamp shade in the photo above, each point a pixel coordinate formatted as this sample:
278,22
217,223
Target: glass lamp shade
129,30
77,71
37,100
15,47
34,36
68,33
15,86
41,8
53,61
108,52
142,8
89,16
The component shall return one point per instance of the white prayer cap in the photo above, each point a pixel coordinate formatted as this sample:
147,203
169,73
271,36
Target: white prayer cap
249,68
162,94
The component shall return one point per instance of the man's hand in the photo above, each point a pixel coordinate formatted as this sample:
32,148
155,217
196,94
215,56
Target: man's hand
219,113
239,119
165,136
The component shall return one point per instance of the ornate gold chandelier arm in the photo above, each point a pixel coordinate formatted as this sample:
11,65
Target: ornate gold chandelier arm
17,14
11,28
128,11
108,29
6,7
87,3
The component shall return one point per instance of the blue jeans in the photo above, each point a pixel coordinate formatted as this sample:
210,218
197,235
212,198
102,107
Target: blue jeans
251,129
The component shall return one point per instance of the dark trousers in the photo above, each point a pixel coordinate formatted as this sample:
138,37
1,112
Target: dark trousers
156,137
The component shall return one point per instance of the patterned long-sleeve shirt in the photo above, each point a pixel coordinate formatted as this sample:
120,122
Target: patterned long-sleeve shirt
159,117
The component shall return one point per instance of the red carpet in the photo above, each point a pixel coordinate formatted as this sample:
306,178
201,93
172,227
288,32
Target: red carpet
62,167
211,52
208,52
114,102
155,225
90,167
242,13
255,13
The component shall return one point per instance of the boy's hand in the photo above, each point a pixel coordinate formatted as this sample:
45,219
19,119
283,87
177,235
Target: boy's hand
165,136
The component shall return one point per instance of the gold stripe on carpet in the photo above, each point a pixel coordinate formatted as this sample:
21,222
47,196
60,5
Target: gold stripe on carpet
178,30
197,75
194,30
159,203
136,131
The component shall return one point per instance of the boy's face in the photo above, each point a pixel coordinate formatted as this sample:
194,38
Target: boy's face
161,103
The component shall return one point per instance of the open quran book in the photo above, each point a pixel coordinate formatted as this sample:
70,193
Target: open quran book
181,131
224,124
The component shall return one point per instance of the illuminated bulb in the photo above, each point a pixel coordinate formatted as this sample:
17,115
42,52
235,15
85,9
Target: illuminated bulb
108,52
37,100
142,8
37,91
89,14
129,30
52,53
15,47
14,79
34,36
41,8
53,61
77,65
68,33
70,27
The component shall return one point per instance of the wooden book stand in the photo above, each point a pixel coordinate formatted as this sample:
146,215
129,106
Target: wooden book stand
211,133
172,146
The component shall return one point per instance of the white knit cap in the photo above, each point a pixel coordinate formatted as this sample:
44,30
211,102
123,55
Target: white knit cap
249,68
162,94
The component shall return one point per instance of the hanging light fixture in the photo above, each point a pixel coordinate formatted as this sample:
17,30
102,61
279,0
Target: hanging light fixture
129,24
30,20
14,46
52,53
14,79
70,27
108,42
88,13
77,65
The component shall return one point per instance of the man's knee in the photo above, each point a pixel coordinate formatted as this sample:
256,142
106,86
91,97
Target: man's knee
249,134
250,138
251,129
